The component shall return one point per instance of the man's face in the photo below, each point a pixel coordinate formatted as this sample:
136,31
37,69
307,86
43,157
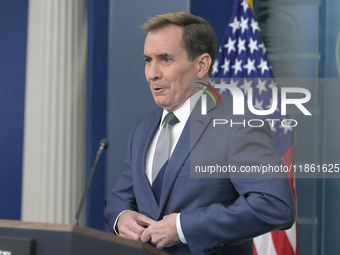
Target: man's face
167,68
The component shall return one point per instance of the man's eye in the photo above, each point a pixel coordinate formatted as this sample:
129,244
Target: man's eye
166,60
147,60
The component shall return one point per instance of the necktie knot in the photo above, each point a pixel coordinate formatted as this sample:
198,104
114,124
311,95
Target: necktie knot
170,119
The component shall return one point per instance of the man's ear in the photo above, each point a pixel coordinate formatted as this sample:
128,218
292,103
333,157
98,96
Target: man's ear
204,62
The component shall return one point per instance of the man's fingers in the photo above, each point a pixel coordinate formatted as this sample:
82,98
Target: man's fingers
132,224
162,233
127,233
144,221
145,237
136,227
131,230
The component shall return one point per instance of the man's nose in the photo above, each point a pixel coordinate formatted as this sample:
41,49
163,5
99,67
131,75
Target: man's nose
153,71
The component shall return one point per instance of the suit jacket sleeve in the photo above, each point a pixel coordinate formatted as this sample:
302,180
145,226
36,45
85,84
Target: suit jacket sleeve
263,204
122,195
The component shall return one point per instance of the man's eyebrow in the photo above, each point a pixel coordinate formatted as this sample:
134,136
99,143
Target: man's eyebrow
162,55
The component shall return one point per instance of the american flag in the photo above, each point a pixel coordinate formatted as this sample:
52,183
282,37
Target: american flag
243,55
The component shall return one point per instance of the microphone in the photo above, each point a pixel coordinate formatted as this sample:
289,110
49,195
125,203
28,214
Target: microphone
103,145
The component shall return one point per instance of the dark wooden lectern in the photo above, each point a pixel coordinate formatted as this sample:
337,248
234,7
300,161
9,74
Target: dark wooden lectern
23,238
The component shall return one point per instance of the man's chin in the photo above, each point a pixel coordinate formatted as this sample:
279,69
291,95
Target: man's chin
165,105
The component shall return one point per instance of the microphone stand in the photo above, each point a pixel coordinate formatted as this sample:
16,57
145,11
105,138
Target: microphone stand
103,145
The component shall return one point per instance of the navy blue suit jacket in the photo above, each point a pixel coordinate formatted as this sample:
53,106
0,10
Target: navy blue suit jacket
218,215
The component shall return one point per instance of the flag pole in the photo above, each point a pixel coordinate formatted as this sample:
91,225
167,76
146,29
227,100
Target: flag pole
250,2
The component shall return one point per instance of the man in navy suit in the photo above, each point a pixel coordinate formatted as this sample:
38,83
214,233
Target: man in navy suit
178,210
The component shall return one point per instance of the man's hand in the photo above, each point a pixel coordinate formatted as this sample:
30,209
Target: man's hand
162,233
132,224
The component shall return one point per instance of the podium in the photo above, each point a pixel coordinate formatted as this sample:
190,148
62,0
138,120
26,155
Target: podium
25,238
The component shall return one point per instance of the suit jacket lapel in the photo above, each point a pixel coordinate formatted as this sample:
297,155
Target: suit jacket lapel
142,178
191,133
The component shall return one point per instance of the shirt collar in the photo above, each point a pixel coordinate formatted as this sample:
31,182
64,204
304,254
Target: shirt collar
183,112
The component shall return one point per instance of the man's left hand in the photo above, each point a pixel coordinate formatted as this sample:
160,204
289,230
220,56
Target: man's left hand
162,233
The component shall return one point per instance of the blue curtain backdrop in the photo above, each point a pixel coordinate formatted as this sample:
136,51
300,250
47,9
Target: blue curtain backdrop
96,111
217,12
13,34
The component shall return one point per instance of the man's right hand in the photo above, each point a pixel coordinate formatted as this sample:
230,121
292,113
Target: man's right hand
132,224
